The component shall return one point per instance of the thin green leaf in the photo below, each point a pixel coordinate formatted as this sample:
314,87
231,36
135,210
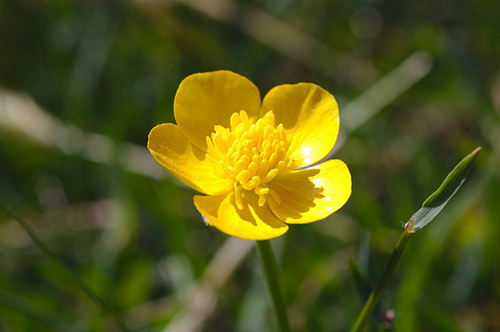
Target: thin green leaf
438,200
58,321
45,249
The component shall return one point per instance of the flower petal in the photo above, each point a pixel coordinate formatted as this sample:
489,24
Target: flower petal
208,99
187,163
311,194
311,113
251,223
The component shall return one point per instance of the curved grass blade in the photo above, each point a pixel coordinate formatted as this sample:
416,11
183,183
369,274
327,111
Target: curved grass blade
438,199
79,281
429,210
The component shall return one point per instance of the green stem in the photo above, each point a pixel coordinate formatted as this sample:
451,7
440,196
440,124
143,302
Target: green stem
376,294
271,273
83,285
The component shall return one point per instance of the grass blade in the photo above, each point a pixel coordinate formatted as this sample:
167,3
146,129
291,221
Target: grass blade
438,199
429,210
46,250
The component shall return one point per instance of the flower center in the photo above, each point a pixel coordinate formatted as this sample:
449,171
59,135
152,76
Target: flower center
251,154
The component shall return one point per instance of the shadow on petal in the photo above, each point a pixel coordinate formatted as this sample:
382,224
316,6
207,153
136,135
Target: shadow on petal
183,160
254,223
311,194
297,191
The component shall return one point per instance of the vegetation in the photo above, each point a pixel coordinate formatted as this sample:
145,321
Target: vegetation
83,82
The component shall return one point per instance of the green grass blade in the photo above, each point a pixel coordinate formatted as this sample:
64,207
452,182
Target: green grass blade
438,200
79,281
57,321
430,208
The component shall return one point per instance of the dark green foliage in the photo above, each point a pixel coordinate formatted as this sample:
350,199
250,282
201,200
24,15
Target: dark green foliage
112,68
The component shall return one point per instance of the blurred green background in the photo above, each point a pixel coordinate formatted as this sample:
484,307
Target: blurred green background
83,82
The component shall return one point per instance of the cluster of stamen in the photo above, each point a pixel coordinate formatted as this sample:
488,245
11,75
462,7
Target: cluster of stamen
251,154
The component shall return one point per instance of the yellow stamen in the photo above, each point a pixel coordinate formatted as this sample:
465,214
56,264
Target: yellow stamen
251,153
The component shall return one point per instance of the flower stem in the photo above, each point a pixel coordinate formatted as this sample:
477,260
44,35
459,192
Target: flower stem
376,294
271,273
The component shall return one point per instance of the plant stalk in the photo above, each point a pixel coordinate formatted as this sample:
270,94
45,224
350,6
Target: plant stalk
271,273
376,294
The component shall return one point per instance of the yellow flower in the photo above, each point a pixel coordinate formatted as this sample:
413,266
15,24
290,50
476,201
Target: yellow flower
251,158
